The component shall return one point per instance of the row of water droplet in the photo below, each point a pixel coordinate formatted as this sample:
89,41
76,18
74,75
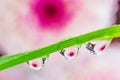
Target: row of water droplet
94,47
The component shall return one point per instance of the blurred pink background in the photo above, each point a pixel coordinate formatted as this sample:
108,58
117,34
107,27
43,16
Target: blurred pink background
20,31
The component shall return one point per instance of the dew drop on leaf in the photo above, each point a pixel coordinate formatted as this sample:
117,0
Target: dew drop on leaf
38,63
70,52
98,47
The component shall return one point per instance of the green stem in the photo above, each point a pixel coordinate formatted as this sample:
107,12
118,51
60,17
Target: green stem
12,60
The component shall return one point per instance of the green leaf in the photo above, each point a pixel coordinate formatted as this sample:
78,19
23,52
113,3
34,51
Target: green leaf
12,60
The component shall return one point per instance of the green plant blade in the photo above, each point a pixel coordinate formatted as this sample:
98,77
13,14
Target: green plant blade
12,60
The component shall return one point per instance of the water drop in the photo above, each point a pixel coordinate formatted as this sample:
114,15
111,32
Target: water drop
38,63
70,53
98,47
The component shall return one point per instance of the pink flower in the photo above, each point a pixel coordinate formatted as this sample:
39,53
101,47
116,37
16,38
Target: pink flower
23,23
31,24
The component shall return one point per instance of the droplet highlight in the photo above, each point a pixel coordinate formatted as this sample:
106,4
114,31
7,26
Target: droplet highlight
38,63
98,47
70,53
